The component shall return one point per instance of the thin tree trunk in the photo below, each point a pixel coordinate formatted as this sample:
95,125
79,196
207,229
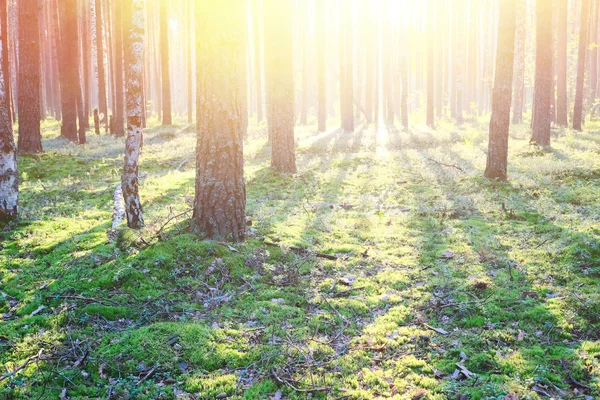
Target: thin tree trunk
220,200
430,64
102,99
497,158
68,68
544,82
5,64
519,63
9,177
135,55
321,38
30,138
578,113
257,61
280,80
164,58
118,56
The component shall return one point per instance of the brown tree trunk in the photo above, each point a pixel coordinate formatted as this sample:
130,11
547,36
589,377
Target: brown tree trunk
118,56
220,200
86,56
430,64
30,138
346,67
321,38
102,99
279,69
9,178
497,158
164,60
578,114
135,78
519,63
69,76
544,82
561,98
257,61
5,64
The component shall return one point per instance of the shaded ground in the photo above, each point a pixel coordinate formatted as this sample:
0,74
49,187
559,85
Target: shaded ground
446,284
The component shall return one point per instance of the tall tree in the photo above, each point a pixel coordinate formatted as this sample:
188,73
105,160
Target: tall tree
86,57
164,62
584,23
102,99
220,201
561,42
497,158
346,66
320,27
430,63
118,56
9,178
5,59
257,60
133,143
30,138
519,64
544,80
69,68
279,69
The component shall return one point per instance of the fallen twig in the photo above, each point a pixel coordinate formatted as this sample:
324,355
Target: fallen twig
447,165
160,231
343,292
28,360
287,382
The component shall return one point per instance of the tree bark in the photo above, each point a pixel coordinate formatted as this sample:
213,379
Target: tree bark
164,60
279,69
5,59
497,158
102,99
118,56
220,200
519,64
30,138
430,64
69,68
9,178
86,57
561,98
321,38
578,114
135,78
346,67
544,81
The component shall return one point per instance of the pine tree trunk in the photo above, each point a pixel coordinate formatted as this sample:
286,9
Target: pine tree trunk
86,56
578,114
497,158
220,200
118,56
5,64
459,59
561,99
102,99
593,51
69,84
257,61
519,64
322,83
279,69
9,178
164,60
544,81
430,64
134,79
30,138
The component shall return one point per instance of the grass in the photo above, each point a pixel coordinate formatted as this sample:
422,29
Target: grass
509,271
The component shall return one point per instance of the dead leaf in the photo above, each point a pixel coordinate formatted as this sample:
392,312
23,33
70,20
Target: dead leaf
465,371
438,330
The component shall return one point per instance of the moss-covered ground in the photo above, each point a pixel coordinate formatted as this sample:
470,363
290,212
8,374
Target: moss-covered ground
445,286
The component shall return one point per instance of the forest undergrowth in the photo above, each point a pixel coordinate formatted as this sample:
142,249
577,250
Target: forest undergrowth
387,267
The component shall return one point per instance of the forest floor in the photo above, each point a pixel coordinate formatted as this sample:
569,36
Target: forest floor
439,284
